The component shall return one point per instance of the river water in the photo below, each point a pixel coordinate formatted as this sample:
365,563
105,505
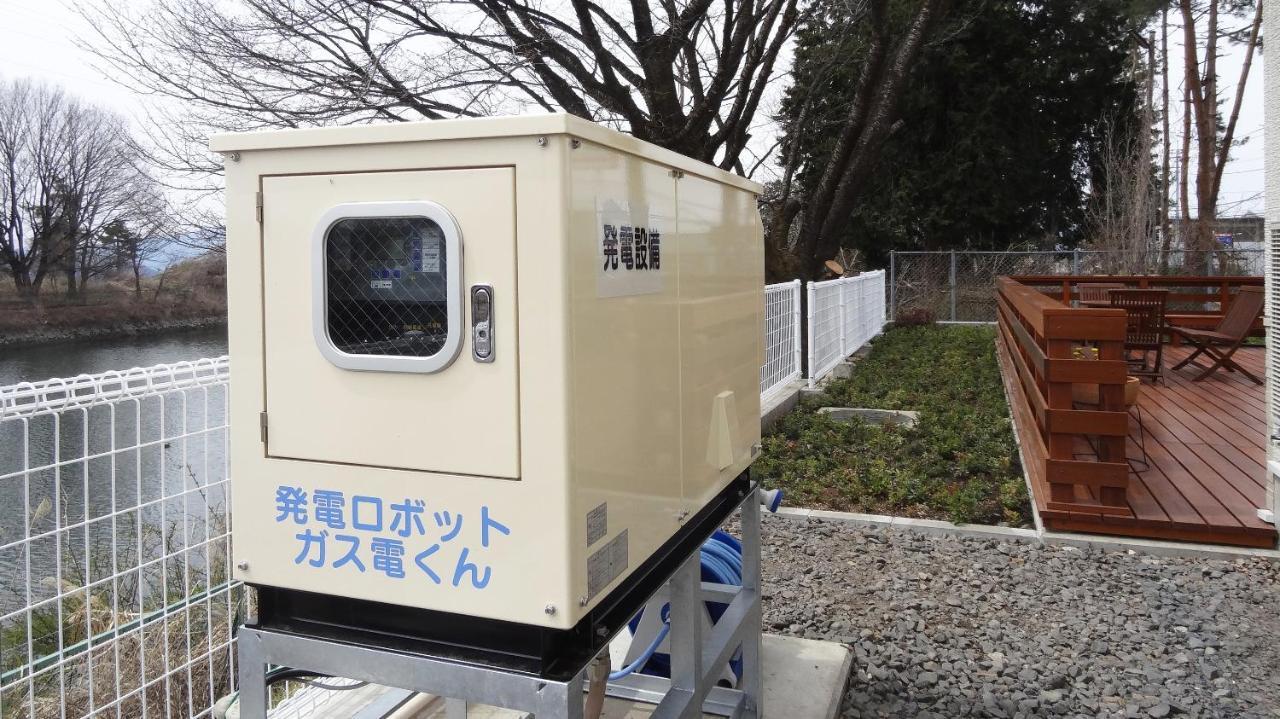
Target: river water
67,359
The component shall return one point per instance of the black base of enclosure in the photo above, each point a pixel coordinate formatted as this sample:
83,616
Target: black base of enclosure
555,654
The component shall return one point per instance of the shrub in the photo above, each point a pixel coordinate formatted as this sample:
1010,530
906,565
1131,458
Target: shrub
958,463
914,317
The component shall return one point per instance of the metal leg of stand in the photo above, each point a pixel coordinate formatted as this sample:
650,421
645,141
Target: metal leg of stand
752,674
697,657
560,700
253,676
687,688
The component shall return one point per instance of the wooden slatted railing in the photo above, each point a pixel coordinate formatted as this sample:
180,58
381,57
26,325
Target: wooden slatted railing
1194,301
1037,339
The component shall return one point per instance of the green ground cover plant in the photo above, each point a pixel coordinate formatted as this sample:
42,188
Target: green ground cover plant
959,463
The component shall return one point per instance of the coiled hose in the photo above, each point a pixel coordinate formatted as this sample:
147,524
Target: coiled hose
721,559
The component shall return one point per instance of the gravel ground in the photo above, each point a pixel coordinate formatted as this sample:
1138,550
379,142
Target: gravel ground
945,627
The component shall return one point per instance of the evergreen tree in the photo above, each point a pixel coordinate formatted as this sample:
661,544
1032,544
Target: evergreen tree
999,130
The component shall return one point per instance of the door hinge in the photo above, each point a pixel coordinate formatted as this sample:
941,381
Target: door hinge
258,210
262,426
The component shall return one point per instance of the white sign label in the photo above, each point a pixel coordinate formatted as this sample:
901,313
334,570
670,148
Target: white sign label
431,257
380,284
629,247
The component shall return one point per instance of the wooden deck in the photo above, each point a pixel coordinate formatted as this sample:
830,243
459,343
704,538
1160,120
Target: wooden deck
1205,443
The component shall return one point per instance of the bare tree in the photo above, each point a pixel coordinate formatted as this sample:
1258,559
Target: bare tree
687,75
1214,139
68,170
29,156
1123,210
134,242
1124,206
1166,235
105,184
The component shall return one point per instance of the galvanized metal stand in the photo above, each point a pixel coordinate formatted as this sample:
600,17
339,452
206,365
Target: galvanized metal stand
696,660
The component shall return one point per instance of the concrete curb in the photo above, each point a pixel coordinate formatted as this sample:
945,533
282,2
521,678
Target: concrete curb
941,528
779,404
924,526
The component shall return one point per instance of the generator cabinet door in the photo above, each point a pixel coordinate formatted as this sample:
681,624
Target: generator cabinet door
389,320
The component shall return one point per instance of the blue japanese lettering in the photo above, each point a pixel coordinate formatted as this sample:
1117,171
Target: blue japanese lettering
359,520
291,503
387,555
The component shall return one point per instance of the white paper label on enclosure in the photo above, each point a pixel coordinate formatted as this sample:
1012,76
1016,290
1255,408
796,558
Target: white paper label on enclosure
431,258
597,523
629,245
380,284
606,563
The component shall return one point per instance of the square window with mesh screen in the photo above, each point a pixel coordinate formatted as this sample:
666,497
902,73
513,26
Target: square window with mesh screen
386,281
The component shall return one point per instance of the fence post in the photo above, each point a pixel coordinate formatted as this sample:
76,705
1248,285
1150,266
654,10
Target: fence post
809,326
843,288
884,316
795,327
1075,261
953,285
893,282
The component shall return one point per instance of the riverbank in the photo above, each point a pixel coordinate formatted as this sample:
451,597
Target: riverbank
189,295
62,328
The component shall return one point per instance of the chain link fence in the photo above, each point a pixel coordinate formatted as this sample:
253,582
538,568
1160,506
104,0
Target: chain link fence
959,286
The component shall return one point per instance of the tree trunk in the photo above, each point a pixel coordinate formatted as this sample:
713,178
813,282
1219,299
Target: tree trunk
1212,152
869,121
1165,236
160,284
21,280
1184,178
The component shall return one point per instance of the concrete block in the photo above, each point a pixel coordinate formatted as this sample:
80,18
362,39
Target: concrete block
905,418
804,678
778,406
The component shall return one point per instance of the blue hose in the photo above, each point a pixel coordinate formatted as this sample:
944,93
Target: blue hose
721,559
649,651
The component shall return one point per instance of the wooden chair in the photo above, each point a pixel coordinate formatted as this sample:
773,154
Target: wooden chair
1095,293
1223,341
1145,332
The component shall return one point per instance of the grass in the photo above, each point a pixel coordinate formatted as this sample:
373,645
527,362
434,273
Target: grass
194,289
959,462
131,640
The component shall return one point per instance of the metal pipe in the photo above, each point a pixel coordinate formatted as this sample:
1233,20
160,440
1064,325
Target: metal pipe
953,285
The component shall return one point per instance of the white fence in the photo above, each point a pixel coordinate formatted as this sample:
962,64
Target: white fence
783,362
116,596
115,591
844,315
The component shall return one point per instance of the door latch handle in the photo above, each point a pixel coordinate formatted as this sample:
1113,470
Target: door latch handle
482,340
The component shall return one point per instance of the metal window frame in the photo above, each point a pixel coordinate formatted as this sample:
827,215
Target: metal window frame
453,286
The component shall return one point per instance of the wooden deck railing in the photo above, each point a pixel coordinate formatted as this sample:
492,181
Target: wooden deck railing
1194,301
1038,337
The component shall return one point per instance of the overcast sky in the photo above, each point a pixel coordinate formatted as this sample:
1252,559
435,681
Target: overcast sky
37,39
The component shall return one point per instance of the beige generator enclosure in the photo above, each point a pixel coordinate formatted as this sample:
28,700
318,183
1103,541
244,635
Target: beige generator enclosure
484,367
